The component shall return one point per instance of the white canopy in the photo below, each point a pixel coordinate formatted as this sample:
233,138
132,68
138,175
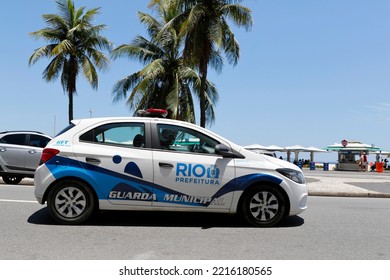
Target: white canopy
296,149
353,146
315,149
255,147
273,148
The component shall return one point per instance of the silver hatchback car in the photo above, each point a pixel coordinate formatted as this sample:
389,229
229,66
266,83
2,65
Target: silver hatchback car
20,152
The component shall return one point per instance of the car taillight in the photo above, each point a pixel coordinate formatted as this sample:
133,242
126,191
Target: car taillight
48,154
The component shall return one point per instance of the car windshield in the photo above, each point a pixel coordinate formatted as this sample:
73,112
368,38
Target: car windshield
181,139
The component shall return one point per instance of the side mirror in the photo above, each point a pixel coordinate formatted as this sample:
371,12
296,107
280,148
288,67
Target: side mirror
227,152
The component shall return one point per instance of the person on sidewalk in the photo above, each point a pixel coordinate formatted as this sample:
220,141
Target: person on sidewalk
363,162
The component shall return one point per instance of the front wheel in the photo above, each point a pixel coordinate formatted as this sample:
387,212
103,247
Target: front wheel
12,180
71,202
263,206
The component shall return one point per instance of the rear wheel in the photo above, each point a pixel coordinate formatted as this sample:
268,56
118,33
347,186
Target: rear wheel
263,206
12,180
71,202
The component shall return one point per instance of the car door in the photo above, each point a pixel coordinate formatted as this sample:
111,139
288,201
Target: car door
117,158
187,171
34,147
13,150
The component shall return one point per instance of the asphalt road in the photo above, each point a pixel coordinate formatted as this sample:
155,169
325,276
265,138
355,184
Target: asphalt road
331,228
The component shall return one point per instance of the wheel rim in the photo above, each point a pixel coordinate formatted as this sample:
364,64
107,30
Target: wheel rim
264,206
70,202
12,179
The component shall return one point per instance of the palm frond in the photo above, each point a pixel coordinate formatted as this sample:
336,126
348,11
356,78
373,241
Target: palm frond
140,49
45,51
122,86
55,67
239,15
89,71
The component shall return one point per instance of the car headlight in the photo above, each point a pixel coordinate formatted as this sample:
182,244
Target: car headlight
292,174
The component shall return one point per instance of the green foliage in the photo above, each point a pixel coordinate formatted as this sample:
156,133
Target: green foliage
204,23
185,39
74,46
166,81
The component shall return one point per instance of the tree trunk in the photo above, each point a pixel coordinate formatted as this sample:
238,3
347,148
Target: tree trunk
202,99
70,107
72,69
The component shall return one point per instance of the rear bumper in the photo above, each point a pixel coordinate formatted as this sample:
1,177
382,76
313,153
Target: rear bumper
42,180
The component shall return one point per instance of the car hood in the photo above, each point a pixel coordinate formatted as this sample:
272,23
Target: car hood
261,161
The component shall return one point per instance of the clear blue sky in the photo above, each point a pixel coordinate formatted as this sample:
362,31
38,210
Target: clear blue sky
311,72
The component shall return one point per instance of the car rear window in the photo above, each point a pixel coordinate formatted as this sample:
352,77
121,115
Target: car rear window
65,129
38,141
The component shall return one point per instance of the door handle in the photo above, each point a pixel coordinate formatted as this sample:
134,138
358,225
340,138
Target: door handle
3,149
165,164
92,160
32,152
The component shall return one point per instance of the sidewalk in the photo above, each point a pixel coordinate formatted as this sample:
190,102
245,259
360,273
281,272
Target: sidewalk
347,184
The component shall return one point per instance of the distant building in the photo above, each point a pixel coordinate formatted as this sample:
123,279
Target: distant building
349,154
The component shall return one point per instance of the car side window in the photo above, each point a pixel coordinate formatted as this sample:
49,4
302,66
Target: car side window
38,141
182,139
15,139
117,134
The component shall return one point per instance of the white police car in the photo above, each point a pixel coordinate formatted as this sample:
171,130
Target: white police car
147,163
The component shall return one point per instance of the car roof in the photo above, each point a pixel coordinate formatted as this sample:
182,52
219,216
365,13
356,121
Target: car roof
91,121
7,131
21,131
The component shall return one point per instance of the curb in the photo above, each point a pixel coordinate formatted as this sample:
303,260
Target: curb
345,194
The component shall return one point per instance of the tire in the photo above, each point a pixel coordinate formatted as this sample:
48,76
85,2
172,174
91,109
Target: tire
263,206
12,180
71,202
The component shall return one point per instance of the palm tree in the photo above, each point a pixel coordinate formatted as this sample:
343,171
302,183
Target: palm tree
205,25
74,45
165,81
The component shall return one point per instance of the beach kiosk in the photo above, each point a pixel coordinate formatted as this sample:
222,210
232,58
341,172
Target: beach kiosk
349,154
